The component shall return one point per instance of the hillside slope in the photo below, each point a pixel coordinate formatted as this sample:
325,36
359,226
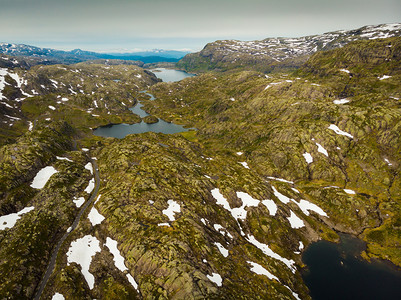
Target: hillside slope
277,53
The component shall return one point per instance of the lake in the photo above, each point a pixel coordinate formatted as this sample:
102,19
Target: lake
121,130
169,75
335,271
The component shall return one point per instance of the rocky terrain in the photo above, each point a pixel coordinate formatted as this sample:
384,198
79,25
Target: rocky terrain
277,53
277,162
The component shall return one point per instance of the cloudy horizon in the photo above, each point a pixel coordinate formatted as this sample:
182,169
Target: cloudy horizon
112,26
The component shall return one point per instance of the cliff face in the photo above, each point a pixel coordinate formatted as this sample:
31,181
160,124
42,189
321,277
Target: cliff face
276,53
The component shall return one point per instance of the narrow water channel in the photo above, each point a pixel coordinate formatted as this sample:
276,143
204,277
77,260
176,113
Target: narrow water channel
121,130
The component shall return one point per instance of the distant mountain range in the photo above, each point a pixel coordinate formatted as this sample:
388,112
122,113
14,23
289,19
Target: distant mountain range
51,56
277,53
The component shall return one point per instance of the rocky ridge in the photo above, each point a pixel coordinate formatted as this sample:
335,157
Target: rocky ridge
277,53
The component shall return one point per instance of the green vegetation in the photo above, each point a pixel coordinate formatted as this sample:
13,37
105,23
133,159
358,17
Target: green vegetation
252,131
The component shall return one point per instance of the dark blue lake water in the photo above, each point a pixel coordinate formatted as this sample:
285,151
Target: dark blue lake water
335,271
121,130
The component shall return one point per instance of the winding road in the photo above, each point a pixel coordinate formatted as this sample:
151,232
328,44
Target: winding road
74,225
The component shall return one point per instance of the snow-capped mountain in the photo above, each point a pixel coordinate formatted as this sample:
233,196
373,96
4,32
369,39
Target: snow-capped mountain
229,54
52,56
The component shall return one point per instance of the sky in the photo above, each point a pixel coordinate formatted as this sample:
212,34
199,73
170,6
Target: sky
133,25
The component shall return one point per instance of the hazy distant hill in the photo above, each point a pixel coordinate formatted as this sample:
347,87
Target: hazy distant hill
272,53
52,56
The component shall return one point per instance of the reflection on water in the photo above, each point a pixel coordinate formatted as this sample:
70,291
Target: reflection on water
121,130
169,75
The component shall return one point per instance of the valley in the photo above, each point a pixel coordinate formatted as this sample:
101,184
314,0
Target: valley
275,152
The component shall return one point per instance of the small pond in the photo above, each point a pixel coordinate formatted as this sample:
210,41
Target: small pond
336,271
121,130
170,75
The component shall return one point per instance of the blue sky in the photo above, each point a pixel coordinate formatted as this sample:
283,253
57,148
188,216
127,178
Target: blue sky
126,25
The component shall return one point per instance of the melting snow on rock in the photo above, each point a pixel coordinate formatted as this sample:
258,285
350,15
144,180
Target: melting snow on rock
222,250
90,186
95,217
119,259
267,251
89,167
341,101
79,201
81,252
243,163
295,221
258,269
280,196
322,150
63,158
271,206
58,296
42,177
308,157
339,131
8,221
305,206
216,278
173,207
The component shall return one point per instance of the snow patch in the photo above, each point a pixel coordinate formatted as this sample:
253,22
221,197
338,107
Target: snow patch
90,186
42,177
322,150
307,206
79,201
164,224
89,167
63,158
308,157
280,196
348,191
216,278
271,206
339,131
58,296
81,252
132,281
8,221
222,250
384,77
267,251
341,101
281,179
95,217
258,269
295,221
173,207
388,162
244,164
118,258
220,199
